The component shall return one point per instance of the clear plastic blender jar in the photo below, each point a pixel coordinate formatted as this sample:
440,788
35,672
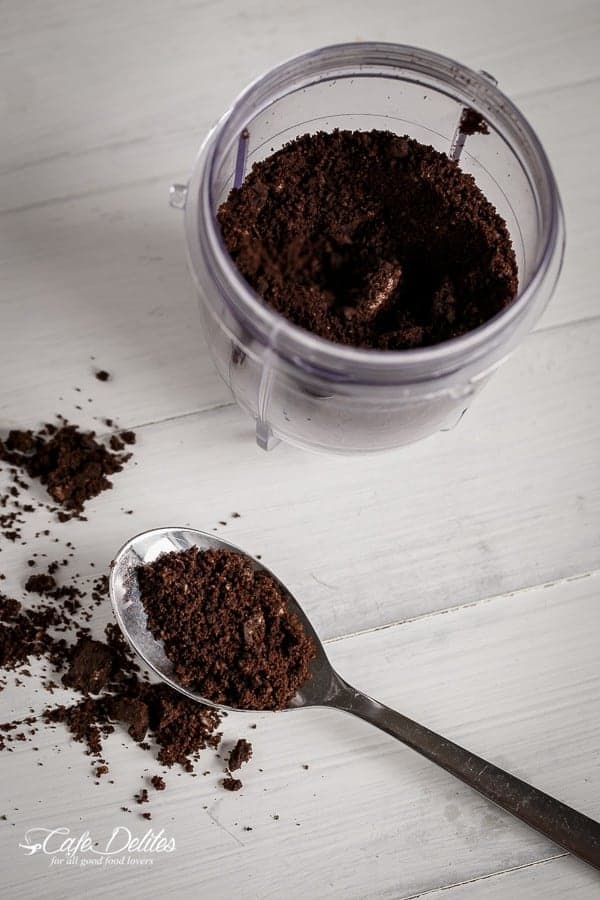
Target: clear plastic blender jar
314,393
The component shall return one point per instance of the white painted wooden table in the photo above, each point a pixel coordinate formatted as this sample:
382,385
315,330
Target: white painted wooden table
455,579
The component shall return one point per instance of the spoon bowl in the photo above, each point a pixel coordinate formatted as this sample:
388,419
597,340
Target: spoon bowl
565,826
323,683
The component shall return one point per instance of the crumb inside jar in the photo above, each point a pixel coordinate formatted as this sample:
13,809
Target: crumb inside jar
370,239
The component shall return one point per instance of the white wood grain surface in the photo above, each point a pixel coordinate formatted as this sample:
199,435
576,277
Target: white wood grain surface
476,548
508,499
374,819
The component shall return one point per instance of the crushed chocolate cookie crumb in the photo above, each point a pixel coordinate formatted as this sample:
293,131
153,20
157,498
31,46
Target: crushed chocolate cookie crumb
40,584
142,797
102,375
134,712
115,443
158,783
226,628
91,666
240,754
472,122
232,784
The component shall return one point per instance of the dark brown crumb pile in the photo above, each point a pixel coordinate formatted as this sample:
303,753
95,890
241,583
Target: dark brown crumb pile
72,464
370,239
102,375
51,623
105,676
179,726
226,628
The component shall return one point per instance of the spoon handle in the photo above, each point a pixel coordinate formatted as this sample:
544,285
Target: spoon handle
562,824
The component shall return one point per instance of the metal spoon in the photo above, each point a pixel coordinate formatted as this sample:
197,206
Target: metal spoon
562,824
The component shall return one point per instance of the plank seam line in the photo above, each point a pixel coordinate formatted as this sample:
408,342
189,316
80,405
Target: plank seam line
345,637
175,417
574,323
449,887
554,89
557,582
167,178
586,320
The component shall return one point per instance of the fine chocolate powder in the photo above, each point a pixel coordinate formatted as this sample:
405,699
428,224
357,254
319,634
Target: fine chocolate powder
226,628
371,239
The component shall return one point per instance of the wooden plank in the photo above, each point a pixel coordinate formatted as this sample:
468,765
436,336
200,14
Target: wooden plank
568,132
510,498
107,109
107,279
97,104
551,880
105,276
514,679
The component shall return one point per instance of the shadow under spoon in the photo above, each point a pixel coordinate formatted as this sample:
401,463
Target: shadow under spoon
568,828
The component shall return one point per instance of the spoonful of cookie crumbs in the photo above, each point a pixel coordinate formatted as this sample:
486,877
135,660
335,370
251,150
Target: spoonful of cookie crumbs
218,626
